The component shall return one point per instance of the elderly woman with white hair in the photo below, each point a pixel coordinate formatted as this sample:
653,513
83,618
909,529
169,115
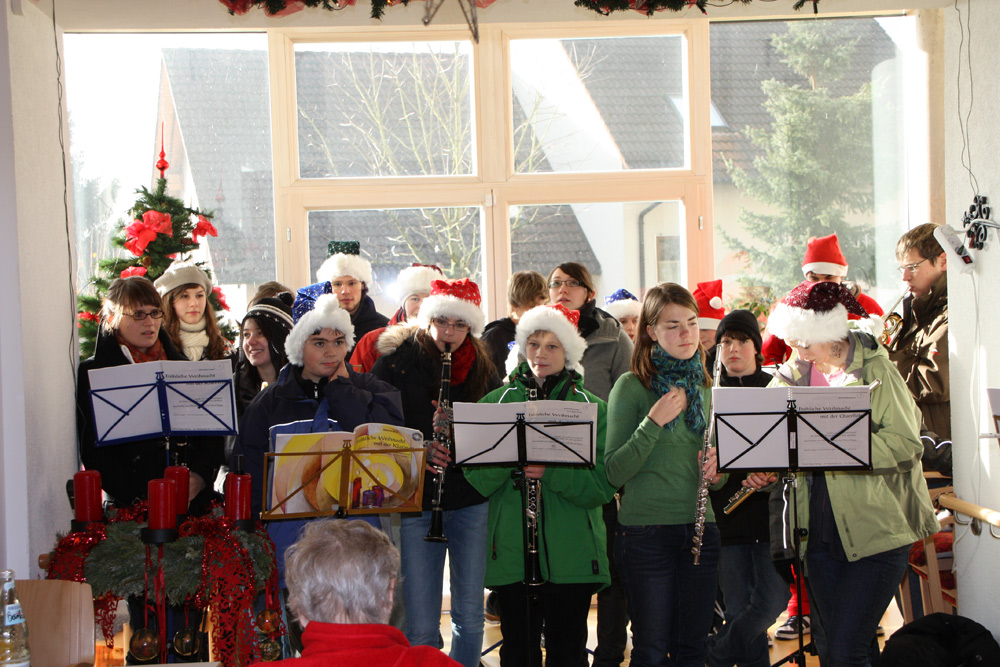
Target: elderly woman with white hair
573,552
341,576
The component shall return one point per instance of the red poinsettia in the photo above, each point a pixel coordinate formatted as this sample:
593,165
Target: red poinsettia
134,271
203,228
158,222
217,291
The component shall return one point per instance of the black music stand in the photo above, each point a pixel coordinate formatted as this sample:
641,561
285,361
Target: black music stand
526,455
798,423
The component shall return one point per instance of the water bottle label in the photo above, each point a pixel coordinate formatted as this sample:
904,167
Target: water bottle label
13,614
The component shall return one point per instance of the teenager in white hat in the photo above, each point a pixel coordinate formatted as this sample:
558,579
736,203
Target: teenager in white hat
573,558
450,318
860,524
189,318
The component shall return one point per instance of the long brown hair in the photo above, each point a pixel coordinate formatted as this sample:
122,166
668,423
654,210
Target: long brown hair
656,300
218,347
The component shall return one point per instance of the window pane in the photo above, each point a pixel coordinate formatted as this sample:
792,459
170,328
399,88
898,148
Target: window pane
599,104
799,150
393,239
384,109
634,245
210,94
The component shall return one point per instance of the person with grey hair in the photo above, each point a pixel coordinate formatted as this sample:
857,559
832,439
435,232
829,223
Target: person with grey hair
341,576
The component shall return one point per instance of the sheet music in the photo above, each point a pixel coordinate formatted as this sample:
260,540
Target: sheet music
197,406
814,450
746,438
126,406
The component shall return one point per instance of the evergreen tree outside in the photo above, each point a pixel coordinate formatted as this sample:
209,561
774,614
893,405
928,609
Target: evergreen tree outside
815,170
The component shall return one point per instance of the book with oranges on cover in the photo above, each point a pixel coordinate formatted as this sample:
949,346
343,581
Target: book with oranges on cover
374,469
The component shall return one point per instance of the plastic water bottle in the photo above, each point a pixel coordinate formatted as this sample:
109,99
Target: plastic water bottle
14,632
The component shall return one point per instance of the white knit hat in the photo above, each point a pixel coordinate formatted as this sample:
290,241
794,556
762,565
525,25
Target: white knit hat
416,279
327,314
561,322
182,273
453,298
344,264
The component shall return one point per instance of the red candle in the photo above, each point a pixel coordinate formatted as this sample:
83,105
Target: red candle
87,496
182,477
237,491
162,507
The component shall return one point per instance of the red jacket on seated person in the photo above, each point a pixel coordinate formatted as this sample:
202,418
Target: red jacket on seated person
371,645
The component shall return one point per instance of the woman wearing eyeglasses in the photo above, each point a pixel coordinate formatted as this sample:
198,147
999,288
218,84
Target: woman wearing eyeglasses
131,333
411,362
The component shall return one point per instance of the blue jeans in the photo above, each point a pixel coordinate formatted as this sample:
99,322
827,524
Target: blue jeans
670,599
423,574
850,598
754,595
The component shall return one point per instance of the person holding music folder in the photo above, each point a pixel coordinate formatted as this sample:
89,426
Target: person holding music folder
753,591
316,391
411,361
657,415
569,529
860,523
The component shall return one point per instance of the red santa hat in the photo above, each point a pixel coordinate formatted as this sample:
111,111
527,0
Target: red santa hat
823,256
710,310
817,313
458,299
560,321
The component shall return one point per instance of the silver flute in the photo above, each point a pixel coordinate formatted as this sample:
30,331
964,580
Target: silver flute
702,501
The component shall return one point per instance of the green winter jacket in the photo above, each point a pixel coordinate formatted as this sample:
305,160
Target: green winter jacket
572,539
889,506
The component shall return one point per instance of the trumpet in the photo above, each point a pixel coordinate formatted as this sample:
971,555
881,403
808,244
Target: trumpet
436,531
893,320
702,501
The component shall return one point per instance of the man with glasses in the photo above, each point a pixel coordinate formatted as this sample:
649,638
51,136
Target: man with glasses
920,349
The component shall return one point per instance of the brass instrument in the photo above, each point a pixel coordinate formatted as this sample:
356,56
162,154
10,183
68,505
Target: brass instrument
893,320
702,501
444,438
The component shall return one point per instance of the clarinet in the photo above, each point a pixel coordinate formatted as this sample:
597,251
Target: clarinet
702,500
532,517
444,438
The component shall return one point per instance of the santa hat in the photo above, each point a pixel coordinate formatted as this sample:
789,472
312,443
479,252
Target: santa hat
823,256
710,310
622,304
179,274
345,260
327,314
560,321
816,313
458,299
416,279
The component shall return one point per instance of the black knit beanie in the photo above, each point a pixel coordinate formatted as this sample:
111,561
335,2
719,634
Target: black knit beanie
740,320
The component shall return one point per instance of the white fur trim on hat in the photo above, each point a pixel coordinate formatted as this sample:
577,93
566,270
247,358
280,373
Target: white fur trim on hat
327,314
709,323
182,273
790,323
415,280
340,264
545,318
825,269
443,305
623,308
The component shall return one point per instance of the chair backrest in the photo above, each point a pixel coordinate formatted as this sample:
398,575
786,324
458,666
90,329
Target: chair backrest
60,616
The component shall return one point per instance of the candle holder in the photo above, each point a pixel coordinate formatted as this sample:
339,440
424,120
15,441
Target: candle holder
80,526
157,535
246,525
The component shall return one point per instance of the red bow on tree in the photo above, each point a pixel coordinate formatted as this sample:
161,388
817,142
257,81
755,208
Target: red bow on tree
203,228
134,271
141,233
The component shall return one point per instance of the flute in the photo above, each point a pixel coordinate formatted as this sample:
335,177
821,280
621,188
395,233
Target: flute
702,502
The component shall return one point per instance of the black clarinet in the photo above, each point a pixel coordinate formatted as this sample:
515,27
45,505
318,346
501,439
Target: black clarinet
532,519
444,438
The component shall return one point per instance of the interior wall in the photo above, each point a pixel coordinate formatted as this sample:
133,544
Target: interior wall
46,306
973,317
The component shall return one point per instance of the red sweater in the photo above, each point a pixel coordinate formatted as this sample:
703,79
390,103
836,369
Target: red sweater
365,354
345,645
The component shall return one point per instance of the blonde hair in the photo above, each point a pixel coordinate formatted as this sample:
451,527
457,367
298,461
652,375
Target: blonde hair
124,297
656,300
524,288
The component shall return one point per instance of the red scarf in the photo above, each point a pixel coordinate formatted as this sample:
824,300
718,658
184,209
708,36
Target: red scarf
461,361
154,353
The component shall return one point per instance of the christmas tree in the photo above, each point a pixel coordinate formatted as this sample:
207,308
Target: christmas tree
161,229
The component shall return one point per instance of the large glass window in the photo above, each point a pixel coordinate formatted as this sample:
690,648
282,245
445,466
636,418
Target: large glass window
209,94
812,137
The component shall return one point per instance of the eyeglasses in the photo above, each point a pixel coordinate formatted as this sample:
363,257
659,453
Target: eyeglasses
140,315
442,323
556,284
911,267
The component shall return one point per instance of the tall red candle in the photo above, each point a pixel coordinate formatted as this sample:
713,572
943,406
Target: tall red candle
182,477
87,496
237,491
162,507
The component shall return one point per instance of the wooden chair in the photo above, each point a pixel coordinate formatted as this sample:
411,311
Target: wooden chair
60,616
931,561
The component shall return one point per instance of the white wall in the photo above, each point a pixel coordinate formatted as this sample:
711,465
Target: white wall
974,317
38,296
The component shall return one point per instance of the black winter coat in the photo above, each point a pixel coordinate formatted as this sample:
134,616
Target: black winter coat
366,318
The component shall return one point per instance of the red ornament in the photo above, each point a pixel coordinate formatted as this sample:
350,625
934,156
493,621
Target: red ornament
162,163
268,621
137,236
217,291
133,271
158,222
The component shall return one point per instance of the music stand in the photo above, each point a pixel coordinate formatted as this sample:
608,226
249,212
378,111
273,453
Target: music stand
845,434
519,444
